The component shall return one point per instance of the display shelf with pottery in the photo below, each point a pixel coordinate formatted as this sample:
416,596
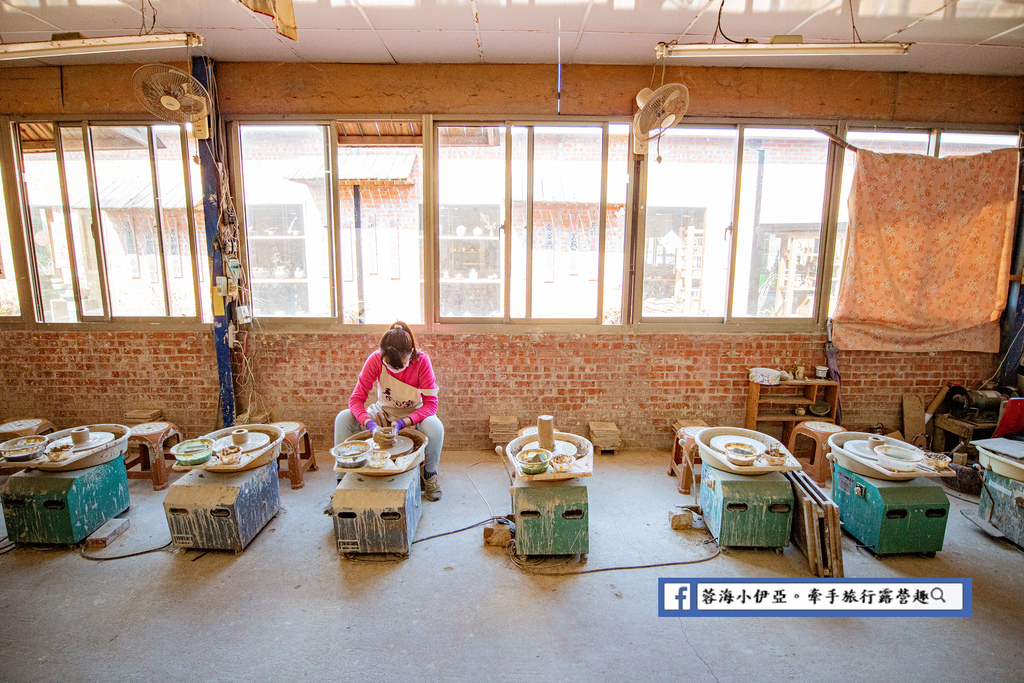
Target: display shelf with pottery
78,448
257,444
869,454
763,453
565,444
408,452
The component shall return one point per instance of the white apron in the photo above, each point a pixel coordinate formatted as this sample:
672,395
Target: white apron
396,399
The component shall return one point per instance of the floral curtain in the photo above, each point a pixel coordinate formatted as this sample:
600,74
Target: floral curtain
928,252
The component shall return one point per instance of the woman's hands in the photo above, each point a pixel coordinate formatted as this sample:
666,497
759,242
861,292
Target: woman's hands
372,426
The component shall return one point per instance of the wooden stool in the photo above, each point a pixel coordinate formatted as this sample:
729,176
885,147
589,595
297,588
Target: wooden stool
686,459
153,441
29,426
818,466
297,450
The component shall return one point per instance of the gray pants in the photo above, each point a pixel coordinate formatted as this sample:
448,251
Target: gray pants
345,425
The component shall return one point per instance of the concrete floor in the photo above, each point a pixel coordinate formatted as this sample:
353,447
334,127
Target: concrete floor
289,608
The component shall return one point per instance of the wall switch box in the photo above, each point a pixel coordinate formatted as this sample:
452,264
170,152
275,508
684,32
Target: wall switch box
222,285
242,315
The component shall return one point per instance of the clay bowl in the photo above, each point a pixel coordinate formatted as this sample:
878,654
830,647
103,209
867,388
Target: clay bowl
534,460
351,455
563,463
193,452
23,448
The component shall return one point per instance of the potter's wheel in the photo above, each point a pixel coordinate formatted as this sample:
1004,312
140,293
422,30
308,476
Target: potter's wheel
95,439
403,445
253,440
18,425
561,448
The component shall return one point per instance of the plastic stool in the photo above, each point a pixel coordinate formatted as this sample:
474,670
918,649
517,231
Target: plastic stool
297,450
153,441
818,467
686,459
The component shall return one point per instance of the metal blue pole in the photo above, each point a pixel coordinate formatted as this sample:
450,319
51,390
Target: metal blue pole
202,70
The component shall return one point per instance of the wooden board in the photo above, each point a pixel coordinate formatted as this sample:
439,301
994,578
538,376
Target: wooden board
816,530
913,417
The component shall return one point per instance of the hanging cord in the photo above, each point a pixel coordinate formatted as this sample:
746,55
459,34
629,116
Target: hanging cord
1003,360
918,21
853,24
152,24
718,29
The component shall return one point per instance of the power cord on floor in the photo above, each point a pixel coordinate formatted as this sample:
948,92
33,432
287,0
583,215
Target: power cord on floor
523,565
81,551
500,520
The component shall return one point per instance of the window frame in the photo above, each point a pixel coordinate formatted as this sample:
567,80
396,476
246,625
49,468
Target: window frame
531,124
25,258
635,214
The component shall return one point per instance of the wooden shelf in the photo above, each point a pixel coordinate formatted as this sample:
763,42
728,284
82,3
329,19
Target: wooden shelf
786,400
807,392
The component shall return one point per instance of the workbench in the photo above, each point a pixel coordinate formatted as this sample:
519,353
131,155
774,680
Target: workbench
964,430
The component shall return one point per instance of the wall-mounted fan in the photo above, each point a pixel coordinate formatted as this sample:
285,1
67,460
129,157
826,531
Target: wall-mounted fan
173,95
659,110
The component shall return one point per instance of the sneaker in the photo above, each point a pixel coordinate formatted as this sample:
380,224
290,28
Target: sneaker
431,489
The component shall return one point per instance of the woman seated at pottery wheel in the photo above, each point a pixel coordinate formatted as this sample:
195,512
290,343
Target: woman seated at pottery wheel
406,397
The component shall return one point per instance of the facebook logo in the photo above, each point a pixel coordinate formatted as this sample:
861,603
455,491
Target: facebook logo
675,598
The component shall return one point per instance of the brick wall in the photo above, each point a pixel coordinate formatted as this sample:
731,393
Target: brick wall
74,378
642,382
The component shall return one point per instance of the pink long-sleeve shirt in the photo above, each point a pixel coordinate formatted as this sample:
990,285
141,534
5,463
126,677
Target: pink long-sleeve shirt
419,374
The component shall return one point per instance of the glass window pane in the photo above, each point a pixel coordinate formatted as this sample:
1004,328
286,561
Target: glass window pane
286,188
566,221
615,229
381,197
782,191
520,205
170,176
86,258
46,215
689,211
202,256
131,243
9,302
965,144
889,142
471,197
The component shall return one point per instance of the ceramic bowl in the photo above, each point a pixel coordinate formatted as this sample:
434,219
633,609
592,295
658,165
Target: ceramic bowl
563,463
351,455
937,461
193,452
766,376
897,458
534,460
23,448
230,455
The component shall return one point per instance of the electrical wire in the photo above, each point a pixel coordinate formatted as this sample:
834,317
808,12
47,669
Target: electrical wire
531,569
1009,347
718,29
81,551
501,520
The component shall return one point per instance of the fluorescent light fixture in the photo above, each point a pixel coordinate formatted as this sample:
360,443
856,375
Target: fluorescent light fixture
777,49
88,46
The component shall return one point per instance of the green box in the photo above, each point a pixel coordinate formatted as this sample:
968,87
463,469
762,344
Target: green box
63,507
1002,505
746,511
552,517
892,516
